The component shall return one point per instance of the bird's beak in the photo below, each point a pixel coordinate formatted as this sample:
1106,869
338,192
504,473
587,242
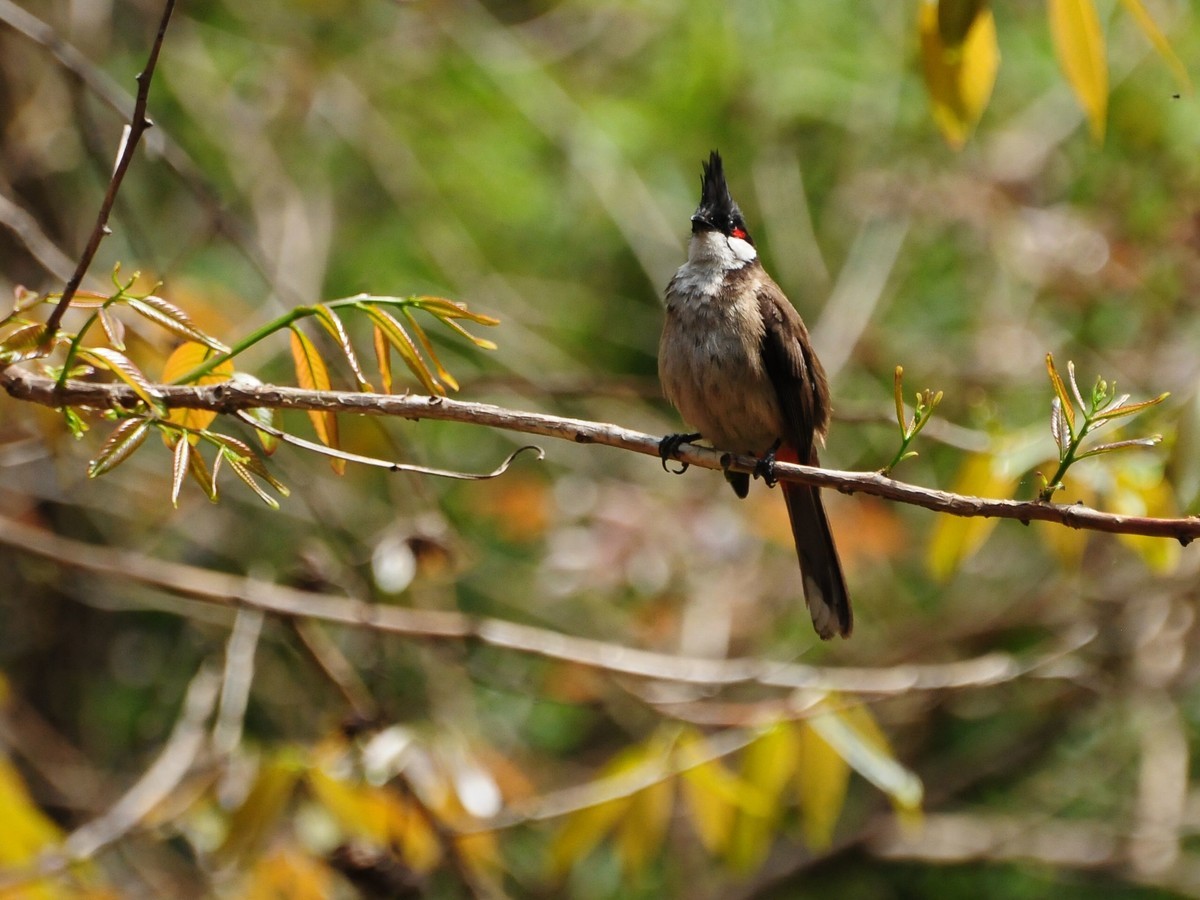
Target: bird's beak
700,222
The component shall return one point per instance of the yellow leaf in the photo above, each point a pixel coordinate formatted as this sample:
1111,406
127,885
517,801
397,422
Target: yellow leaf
854,734
1141,490
956,538
398,338
312,375
287,872
1159,40
380,816
1079,44
822,777
713,794
27,830
584,829
955,18
959,78
641,832
383,356
252,822
768,763
184,359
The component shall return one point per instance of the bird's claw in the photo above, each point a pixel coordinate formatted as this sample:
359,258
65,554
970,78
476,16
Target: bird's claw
764,468
669,446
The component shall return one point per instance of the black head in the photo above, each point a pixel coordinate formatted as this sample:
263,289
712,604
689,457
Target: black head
717,211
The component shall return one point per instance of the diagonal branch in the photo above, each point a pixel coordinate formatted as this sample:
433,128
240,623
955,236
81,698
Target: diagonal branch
231,398
138,123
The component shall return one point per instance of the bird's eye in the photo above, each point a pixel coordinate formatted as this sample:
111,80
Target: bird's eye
738,232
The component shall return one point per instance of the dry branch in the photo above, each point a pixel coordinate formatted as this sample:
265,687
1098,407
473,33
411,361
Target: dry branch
231,398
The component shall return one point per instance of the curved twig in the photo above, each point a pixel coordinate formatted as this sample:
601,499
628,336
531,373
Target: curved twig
386,463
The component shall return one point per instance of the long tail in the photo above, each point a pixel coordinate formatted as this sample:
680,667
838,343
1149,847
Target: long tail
824,585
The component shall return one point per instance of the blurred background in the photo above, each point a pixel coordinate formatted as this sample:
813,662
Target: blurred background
540,161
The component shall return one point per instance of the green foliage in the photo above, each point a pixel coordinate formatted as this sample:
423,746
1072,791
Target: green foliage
1102,407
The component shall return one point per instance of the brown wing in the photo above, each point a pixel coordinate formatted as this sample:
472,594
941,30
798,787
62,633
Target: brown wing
794,370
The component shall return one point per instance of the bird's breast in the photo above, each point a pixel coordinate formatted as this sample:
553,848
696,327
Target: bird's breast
711,367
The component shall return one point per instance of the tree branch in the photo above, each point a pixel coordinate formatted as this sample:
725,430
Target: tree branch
138,123
231,398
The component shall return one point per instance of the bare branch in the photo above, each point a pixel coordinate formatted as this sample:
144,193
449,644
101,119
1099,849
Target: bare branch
231,398
138,123
226,590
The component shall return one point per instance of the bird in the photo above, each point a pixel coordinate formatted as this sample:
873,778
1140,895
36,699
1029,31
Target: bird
736,361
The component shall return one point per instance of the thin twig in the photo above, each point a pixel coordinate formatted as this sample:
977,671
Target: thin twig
138,123
221,589
236,681
333,664
230,398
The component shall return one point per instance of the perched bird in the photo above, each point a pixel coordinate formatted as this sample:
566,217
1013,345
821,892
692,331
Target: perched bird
736,361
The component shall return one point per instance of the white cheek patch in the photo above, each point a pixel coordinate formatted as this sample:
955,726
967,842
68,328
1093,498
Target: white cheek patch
742,250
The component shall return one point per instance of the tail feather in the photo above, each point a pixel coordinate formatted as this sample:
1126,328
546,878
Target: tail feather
824,584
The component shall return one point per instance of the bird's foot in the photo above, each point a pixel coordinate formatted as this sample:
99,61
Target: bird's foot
669,446
765,467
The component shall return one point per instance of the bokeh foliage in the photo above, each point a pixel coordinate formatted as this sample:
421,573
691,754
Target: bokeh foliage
538,161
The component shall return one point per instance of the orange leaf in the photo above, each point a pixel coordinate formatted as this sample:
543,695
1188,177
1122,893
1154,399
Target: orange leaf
312,375
184,359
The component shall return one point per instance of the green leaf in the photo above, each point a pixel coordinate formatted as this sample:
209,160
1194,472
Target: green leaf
114,329
170,317
1060,391
179,469
1121,409
125,370
450,380
337,330
1121,445
242,470
23,343
124,440
398,338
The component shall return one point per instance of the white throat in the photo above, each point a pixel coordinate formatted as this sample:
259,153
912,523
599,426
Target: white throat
713,249
710,256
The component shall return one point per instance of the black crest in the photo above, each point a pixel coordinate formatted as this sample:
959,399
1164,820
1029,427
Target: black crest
717,210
